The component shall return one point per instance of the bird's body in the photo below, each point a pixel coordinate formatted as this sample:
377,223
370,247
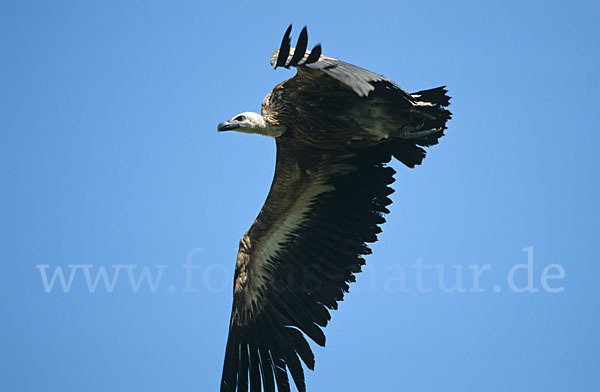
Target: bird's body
327,114
336,126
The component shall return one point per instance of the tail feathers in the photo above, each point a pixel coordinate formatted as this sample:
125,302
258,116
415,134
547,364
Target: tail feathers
430,108
437,96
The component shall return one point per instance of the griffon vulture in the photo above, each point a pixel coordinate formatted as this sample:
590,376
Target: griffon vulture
336,126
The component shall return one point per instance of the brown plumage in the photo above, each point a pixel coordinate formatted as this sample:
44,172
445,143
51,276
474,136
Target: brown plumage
336,126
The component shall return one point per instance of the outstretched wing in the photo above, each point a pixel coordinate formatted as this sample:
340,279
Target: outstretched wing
296,261
360,80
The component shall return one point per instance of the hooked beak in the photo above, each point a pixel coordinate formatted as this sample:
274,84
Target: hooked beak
226,126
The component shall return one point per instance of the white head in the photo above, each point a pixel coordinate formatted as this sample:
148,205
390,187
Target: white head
250,122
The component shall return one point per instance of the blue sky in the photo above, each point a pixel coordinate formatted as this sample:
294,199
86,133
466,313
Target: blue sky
111,161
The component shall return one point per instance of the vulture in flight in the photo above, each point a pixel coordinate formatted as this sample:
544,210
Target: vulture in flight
336,126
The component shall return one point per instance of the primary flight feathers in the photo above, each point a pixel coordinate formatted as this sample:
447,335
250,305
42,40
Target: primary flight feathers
336,126
280,56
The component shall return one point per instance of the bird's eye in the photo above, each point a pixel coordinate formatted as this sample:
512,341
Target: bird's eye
239,118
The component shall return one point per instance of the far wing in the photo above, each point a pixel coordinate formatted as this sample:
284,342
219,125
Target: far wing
297,259
360,80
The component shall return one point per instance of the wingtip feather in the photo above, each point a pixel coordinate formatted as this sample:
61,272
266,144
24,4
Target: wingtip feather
284,50
300,49
314,55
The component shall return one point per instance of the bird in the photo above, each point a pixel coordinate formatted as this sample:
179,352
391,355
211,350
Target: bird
336,127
